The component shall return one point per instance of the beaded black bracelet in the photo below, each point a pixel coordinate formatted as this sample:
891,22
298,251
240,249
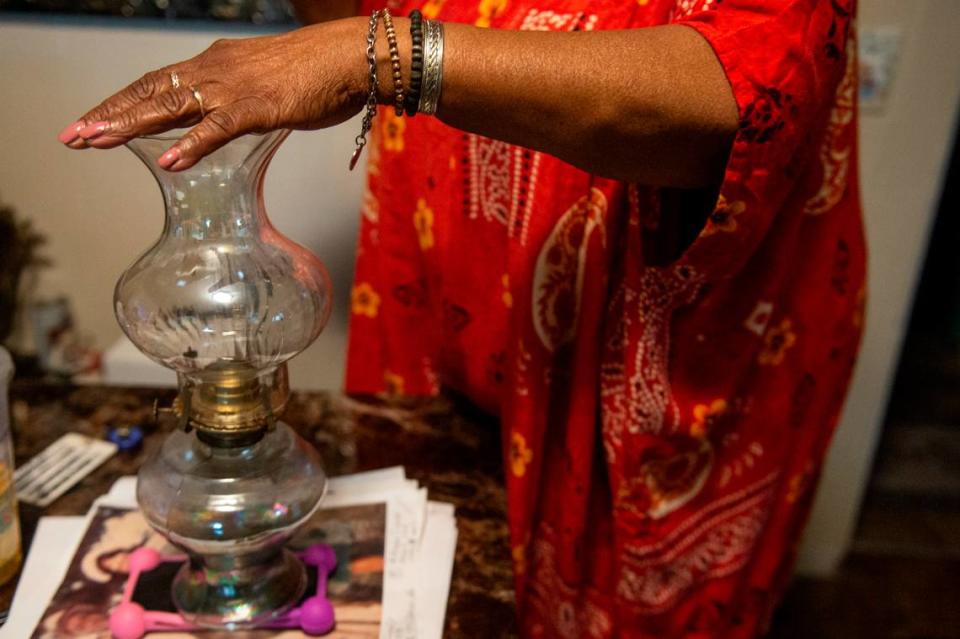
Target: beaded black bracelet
412,98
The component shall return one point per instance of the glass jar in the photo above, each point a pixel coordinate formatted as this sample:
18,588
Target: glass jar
9,521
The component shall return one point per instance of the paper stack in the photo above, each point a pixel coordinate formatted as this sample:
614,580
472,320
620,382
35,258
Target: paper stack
397,552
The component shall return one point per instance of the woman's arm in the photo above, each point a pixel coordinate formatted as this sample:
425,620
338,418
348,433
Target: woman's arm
646,105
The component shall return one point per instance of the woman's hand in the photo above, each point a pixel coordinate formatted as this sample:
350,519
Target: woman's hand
309,78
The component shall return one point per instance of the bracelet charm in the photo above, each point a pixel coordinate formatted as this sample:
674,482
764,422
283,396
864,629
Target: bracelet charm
371,105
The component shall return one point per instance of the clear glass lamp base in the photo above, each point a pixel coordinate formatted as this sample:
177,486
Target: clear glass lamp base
223,593
232,508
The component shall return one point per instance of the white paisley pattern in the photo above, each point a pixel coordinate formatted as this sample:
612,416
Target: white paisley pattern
644,402
537,20
837,146
559,271
490,192
569,615
496,188
497,191
686,7
715,541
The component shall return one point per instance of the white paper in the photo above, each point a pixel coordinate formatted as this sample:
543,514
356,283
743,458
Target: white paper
435,569
54,544
406,507
123,493
371,480
420,543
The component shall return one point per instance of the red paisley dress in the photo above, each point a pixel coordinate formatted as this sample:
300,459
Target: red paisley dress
668,366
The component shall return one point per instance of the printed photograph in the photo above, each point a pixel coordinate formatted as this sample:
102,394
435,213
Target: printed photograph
94,582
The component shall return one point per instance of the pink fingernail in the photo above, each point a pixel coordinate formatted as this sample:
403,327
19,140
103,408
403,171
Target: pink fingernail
91,131
169,158
70,132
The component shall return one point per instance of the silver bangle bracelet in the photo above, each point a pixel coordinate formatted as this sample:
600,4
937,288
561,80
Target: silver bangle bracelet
432,67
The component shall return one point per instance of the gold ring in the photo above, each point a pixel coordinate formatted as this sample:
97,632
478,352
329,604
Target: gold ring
199,99
175,80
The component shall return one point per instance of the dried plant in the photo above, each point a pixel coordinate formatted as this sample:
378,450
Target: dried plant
20,246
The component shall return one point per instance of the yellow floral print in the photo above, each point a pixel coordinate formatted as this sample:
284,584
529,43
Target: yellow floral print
776,343
798,484
393,126
393,383
860,308
519,553
423,222
364,300
431,8
704,416
520,455
724,217
507,294
488,10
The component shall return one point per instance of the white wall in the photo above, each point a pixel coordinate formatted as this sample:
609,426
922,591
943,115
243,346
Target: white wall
101,209
904,151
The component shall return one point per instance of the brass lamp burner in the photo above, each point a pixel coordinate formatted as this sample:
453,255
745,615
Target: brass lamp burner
231,398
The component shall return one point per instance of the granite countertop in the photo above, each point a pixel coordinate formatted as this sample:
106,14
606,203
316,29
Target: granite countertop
444,443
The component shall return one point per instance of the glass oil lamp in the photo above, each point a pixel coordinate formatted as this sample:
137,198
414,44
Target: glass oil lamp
225,300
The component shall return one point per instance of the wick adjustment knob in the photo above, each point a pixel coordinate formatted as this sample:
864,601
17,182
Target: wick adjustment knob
176,408
158,410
